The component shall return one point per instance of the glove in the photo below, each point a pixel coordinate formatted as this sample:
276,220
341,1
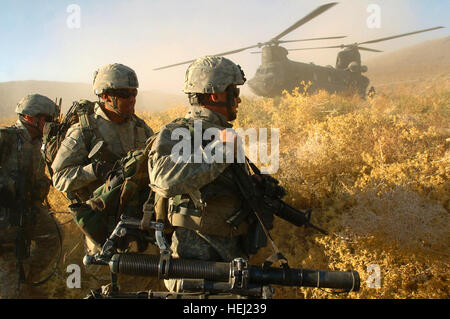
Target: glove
270,186
102,169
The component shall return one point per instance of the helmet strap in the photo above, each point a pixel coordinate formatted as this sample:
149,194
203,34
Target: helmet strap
230,103
194,99
116,109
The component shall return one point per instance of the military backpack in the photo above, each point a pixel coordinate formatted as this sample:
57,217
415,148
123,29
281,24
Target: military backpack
54,133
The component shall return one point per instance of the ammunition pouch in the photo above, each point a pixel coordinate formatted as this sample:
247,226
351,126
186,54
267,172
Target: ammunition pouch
212,219
181,214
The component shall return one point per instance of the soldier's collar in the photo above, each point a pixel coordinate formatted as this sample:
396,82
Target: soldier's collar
198,112
99,112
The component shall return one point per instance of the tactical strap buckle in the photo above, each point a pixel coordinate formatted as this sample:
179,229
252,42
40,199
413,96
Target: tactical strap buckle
163,265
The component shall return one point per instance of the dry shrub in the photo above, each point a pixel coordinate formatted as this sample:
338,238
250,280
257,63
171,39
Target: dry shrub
376,174
158,119
8,121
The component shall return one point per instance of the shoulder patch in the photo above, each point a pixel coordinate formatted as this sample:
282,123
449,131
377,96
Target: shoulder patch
69,142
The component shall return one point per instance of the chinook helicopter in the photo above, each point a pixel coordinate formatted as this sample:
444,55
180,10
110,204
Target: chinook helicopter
277,73
349,59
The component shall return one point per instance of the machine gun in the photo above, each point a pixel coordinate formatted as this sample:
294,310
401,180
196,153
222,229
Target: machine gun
203,279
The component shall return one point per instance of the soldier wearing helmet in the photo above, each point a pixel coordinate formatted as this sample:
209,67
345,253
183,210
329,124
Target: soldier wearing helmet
27,242
112,122
201,196
211,82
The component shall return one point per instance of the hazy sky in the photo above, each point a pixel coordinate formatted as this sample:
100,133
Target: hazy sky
40,39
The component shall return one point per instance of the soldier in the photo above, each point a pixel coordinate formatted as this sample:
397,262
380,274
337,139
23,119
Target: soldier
202,196
27,241
113,122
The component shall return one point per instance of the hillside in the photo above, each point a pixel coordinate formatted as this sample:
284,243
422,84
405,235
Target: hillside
12,92
430,59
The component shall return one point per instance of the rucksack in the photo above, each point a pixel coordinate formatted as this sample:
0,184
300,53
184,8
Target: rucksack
54,133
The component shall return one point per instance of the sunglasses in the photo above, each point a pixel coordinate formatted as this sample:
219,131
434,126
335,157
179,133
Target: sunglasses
123,93
234,90
46,117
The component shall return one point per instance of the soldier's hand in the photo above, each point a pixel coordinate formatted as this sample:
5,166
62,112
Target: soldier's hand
269,185
101,169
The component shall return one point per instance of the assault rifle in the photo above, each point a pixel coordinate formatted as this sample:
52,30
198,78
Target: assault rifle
264,194
203,279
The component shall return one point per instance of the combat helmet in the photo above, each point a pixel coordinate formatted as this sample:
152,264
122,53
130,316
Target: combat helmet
212,74
114,76
35,104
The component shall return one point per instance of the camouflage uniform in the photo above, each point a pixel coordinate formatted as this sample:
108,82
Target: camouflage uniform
20,156
73,170
201,196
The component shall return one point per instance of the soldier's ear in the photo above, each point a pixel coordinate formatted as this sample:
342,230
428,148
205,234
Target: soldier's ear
106,97
214,97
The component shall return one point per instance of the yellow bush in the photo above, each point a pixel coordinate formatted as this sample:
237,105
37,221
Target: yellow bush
376,174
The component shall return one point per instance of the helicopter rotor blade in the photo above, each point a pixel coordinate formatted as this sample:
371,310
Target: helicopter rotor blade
305,19
237,50
331,47
312,39
218,54
302,21
367,42
400,35
169,66
368,49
